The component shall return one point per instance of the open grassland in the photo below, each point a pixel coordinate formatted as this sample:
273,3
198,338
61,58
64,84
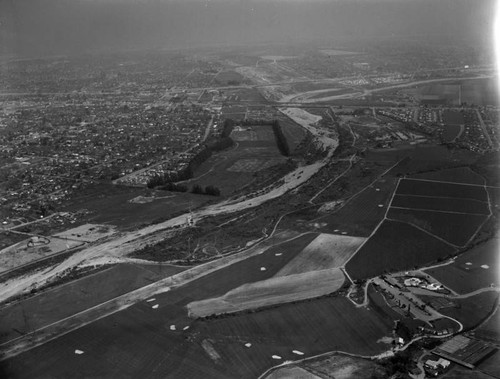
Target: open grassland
465,274
444,204
490,330
310,327
112,204
277,290
363,212
457,175
341,366
471,311
156,342
326,251
63,301
288,372
454,228
396,246
440,189
491,365
480,92
459,372
234,168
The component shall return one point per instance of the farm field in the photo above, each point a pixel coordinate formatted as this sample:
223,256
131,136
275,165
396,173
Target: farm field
465,274
160,340
440,189
480,92
491,365
361,214
444,204
396,246
326,251
459,372
291,372
457,175
490,330
343,366
68,299
277,290
454,124
473,310
115,205
234,168
451,132
454,228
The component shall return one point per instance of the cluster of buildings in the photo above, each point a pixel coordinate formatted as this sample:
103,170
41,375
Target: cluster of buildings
85,120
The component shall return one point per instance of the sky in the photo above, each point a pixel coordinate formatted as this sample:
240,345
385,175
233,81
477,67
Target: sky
79,26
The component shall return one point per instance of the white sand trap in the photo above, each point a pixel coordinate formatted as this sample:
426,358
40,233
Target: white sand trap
277,290
248,344
469,264
344,233
298,352
336,230
278,254
262,269
485,267
185,328
380,205
155,306
150,300
324,252
79,352
276,357
172,327
377,189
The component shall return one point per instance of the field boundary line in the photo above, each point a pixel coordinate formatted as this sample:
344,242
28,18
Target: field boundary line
381,221
446,182
426,231
128,299
441,197
439,211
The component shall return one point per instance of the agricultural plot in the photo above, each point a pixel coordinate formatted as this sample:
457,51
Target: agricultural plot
475,269
111,204
291,372
277,290
361,214
143,339
396,246
325,252
491,365
234,168
343,366
309,327
33,249
68,299
455,228
471,311
441,204
490,330
456,175
480,92
440,189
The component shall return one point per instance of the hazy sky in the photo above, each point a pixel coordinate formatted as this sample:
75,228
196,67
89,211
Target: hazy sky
54,26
